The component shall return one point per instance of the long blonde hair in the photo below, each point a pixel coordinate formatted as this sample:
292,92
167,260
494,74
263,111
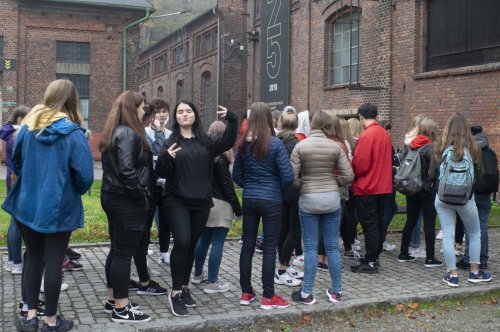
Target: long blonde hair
347,133
355,126
415,126
60,96
457,133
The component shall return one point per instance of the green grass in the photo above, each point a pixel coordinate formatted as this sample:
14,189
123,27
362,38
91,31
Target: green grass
96,226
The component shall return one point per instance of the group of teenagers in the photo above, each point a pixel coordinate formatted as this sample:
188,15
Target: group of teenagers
307,187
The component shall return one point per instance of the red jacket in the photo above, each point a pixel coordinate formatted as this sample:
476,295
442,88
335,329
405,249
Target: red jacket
372,162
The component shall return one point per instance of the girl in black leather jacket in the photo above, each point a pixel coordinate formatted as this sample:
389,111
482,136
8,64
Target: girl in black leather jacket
127,174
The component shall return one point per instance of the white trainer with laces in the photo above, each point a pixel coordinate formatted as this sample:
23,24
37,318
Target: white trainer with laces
298,261
294,273
165,258
286,279
389,247
418,253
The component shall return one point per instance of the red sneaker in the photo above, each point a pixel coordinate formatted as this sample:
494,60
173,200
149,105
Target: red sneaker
246,298
277,302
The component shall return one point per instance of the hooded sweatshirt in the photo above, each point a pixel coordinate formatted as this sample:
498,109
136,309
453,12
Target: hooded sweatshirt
54,168
304,127
7,134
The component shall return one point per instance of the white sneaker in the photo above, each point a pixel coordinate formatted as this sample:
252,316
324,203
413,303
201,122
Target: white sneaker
389,247
64,287
17,268
286,279
199,279
294,273
8,266
357,242
220,286
418,253
439,235
165,258
150,251
298,261
355,247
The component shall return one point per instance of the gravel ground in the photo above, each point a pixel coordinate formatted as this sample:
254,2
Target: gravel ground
450,315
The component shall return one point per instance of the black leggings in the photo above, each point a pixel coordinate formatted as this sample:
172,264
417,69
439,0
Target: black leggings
44,250
290,232
127,233
186,226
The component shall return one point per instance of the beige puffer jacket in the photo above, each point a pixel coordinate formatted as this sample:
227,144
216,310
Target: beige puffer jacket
315,160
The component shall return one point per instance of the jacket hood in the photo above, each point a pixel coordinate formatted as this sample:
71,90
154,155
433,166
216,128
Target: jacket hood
304,127
7,131
51,126
419,141
286,136
481,140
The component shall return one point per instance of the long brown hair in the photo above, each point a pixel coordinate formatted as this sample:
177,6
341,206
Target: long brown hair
259,129
457,133
124,112
60,96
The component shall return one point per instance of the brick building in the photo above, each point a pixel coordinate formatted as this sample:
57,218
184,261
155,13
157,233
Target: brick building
83,41
204,61
410,57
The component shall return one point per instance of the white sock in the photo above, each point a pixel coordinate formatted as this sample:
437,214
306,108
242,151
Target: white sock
304,295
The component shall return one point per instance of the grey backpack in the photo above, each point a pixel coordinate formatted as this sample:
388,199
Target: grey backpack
456,178
408,179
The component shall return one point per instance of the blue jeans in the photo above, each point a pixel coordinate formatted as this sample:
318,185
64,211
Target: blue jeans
14,242
215,236
469,215
390,209
270,212
483,204
415,235
330,223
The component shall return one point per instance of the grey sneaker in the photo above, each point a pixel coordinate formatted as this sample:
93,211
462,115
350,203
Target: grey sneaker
220,286
199,279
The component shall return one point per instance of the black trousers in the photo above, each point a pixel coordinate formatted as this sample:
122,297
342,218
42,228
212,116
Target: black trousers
163,226
44,251
370,211
186,226
290,233
425,201
127,233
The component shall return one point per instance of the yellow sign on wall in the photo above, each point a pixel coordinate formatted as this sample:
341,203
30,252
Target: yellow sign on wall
8,64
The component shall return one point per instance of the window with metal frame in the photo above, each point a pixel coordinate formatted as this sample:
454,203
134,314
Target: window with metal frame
1,46
207,42
159,92
72,52
179,90
345,37
462,33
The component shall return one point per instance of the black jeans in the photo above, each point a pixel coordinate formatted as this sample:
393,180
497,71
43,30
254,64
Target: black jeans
163,226
270,212
186,226
127,233
290,232
348,224
44,250
425,201
370,210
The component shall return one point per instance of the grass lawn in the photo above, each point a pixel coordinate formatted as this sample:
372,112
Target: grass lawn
96,229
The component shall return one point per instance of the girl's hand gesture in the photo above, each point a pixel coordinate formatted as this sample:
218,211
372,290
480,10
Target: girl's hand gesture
172,151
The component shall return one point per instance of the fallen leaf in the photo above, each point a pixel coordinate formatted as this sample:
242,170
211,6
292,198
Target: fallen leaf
490,301
414,306
400,307
420,323
352,324
410,315
458,308
306,318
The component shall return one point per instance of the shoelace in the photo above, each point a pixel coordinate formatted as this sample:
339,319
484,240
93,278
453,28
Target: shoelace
135,312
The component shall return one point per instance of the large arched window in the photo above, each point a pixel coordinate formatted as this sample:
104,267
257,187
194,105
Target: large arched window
344,44
159,92
206,98
179,90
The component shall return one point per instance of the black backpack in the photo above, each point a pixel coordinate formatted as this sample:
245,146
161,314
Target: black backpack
488,183
408,179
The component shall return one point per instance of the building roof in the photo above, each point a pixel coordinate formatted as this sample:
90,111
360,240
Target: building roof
128,4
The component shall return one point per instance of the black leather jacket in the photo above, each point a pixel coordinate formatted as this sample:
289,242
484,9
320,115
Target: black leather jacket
126,167
223,186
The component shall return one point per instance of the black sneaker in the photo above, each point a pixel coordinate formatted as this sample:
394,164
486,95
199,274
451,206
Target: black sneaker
39,310
27,325
258,246
402,258
72,255
133,285
363,260
110,305
177,305
62,325
188,300
129,315
152,289
432,263
297,297
322,267
369,268
463,265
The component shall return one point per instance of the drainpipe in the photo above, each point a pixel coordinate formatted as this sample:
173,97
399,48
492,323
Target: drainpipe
218,52
124,81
